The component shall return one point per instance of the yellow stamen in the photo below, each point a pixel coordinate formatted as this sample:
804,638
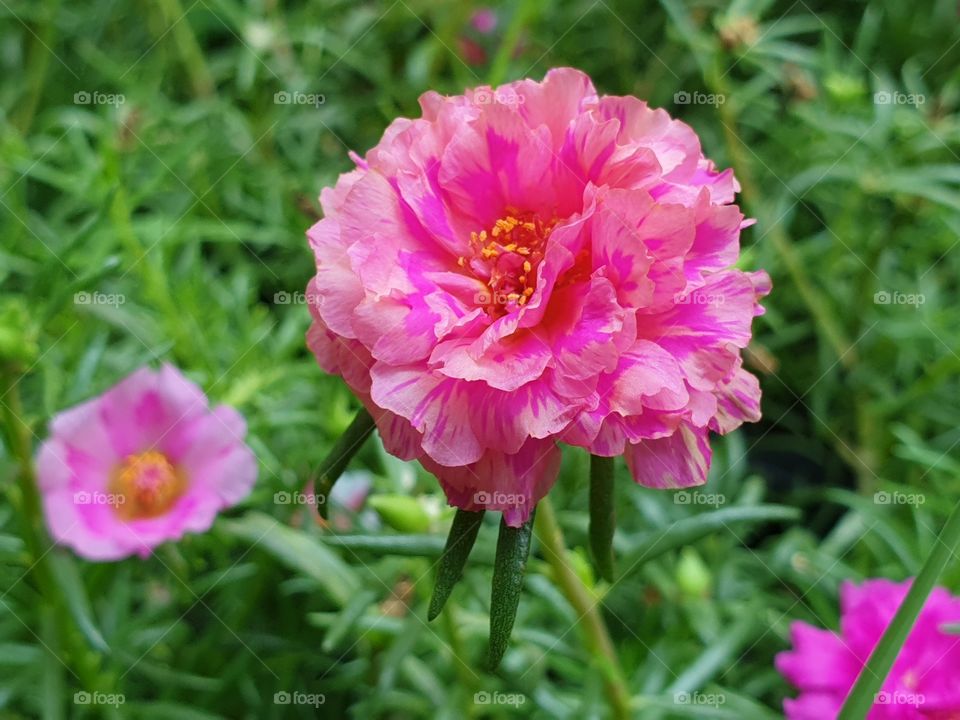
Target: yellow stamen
146,485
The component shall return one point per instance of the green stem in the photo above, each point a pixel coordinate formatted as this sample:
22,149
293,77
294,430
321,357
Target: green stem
598,641
501,62
603,517
340,456
84,662
861,698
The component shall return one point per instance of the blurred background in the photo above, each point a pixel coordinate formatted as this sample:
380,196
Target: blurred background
159,164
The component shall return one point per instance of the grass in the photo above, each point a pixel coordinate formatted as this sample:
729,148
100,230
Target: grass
180,213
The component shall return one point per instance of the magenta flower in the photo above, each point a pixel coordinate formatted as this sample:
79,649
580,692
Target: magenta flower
143,463
535,264
925,680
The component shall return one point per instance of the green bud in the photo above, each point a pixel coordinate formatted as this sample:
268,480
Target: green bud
693,576
401,512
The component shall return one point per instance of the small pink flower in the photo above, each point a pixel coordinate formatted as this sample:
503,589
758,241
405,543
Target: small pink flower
925,680
143,463
533,264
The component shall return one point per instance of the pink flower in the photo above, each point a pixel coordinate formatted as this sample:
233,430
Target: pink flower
144,462
925,680
484,20
535,264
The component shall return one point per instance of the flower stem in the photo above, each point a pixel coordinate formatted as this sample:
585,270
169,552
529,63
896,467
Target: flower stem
603,518
595,631
871,678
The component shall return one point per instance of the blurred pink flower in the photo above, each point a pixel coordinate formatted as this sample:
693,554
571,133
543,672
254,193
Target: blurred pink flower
925,680
535,264
484,20
143,463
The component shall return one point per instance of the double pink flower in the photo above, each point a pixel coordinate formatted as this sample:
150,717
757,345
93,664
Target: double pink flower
536,264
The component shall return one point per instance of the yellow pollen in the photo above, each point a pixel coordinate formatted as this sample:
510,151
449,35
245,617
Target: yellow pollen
146,485
505,258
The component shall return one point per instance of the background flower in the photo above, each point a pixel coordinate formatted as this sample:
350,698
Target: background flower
924,681
143,463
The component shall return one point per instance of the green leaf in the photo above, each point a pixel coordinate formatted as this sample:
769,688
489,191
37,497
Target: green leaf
463,534
64,569
603,518
690,529
513,549
340,456
299,552
347,619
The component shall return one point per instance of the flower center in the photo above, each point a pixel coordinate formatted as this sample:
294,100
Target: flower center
146,485
506,259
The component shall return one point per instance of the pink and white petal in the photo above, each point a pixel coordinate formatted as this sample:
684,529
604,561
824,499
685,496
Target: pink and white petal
738,401
680,460
510,483
508,364
496,162
506,420
716,244
436,407
336,289
587,328
398,436
675,143
563,95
